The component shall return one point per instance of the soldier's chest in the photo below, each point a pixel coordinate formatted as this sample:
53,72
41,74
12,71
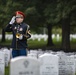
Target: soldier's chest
18,29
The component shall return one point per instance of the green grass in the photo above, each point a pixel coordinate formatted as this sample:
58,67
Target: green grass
73,43
36,43
42,44
7,42
7,70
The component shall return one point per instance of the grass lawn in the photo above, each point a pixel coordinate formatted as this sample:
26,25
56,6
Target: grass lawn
42,44
7,71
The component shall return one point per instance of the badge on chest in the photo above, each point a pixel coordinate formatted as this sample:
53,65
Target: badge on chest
15,28
21,29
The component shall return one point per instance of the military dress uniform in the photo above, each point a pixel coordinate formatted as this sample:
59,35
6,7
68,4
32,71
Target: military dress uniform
19,45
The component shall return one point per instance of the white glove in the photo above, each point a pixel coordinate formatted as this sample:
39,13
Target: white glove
12,20
21,37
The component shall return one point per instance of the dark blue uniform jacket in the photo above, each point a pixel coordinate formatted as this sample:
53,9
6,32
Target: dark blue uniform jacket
20,28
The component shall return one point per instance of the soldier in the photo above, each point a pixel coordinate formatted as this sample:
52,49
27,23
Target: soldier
20,31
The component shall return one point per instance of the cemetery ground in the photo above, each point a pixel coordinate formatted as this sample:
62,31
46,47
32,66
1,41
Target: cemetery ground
35,44
7,70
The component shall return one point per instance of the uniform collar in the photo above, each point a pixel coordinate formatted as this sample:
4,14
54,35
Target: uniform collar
19,24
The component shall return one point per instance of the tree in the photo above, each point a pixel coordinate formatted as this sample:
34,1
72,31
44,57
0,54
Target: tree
50,15
3,16
65,9
40,13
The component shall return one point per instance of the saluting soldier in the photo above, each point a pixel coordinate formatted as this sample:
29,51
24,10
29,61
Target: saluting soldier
21,33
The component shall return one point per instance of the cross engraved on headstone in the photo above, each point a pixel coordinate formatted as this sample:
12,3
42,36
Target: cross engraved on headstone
26,63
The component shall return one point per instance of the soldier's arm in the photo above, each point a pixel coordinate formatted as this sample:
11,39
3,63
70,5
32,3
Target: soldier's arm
8,28
27,35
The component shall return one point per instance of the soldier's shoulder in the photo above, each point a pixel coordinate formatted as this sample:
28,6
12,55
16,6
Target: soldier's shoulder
25,24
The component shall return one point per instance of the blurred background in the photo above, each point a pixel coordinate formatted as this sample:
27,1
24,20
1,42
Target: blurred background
52,23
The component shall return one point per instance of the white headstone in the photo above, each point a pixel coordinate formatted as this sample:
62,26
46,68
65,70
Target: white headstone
66,64
70,65
49,64
62,63
33,55
2,63
7,56
75,63
24,66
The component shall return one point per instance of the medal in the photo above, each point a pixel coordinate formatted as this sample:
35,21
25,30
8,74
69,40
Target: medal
15,27
21,29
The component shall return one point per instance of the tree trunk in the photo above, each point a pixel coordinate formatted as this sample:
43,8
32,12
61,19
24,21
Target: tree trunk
3,35
66,34
50,42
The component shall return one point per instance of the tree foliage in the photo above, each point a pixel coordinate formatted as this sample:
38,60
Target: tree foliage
41,13
38,12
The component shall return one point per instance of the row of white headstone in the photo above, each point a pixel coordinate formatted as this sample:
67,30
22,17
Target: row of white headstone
40,36
4,59
34,36
39,62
